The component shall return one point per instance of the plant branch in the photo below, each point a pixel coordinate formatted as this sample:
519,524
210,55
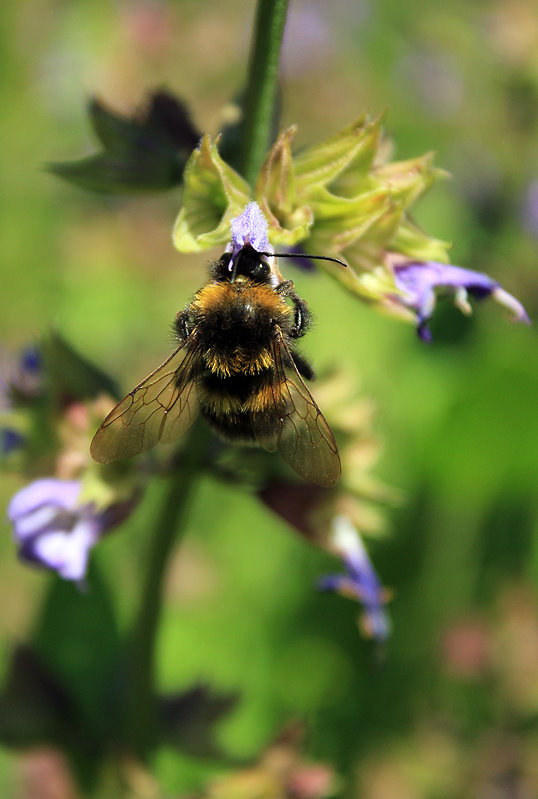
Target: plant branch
141,713
262,85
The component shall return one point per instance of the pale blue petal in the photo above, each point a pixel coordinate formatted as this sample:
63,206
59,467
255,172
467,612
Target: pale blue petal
67,553
48,491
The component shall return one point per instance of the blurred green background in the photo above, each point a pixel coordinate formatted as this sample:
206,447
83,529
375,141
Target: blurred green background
453,710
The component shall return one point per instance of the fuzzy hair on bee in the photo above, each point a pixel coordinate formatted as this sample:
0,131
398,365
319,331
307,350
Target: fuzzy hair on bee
236,365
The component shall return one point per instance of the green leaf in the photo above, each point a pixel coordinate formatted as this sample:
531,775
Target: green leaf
34,708
77,640
71,375
186,720
112,129
125,173
143,153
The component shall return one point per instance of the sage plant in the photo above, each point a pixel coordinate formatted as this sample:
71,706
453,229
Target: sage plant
341,198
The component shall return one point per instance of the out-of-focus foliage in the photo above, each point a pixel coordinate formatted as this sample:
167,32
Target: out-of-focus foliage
147,152
452,712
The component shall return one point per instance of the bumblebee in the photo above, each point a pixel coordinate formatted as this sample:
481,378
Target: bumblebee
236,364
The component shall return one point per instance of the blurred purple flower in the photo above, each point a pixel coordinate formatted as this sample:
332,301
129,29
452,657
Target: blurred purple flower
52,529
10,440
419,280
361,581
300,259
30,360
20,378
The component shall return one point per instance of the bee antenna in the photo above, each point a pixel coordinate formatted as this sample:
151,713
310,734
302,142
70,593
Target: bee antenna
303,255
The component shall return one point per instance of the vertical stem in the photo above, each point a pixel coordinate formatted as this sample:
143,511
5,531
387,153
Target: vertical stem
262,84
141,717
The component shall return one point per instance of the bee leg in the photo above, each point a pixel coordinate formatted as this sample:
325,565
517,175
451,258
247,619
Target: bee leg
302,314
303,367
183,325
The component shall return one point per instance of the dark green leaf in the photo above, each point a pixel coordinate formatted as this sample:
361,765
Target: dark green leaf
71,376
143,153
187,719
113,130
167,117
33,706
109,173
77,640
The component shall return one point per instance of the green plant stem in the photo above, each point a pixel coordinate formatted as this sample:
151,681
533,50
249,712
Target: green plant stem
262,85
141,714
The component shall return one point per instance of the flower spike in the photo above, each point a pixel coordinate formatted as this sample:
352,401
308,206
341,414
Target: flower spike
360,581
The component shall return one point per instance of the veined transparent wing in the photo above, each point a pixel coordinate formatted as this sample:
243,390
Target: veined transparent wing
302,436
161,408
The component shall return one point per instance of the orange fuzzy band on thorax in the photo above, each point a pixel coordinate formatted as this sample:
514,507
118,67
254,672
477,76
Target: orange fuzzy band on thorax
221,297
235,326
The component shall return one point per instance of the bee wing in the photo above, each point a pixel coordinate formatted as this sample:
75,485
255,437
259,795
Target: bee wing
303,437
161,408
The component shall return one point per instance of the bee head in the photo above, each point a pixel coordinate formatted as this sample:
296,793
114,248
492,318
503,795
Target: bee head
248,263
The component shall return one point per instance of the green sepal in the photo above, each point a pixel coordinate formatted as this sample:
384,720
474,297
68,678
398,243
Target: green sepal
276,181
361,239
375,288
213,195
321,164
340,222
409,240
288,222
408,180
368,251
298,224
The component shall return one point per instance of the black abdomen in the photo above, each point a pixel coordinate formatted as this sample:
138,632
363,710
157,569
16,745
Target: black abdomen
241,407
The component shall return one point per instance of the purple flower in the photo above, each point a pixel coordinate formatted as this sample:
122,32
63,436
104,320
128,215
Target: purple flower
250,227
361,581
419,280
10,440
52,529
21,379
31,360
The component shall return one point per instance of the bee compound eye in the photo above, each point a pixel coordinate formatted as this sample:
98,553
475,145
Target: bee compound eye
260,270
220,269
